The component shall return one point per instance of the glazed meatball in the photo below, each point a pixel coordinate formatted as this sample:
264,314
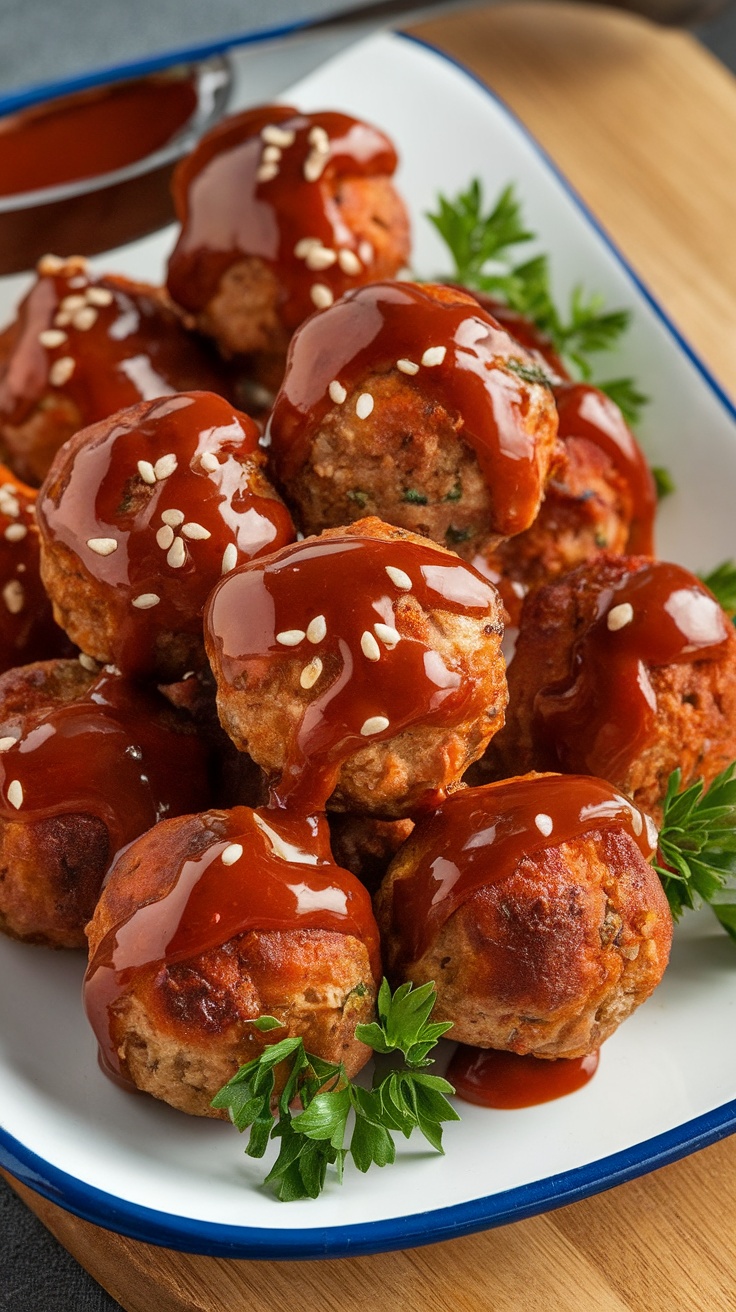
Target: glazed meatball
532,906
83,347
411,403
366,846
269,926
363,667
624,668
27,628
281,213
88,762
140,515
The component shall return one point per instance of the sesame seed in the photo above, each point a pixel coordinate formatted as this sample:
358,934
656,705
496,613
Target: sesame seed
209,462
62,319
72,303
291,637
14,596
88,662
51,337
15,532
319,257
267,172
165,466
271,155
370,647
165,537
102,546
433,356
49,264
318,138
195,531
84,318
544,824
636,821
61,371
231,854
311,673
399,578
317,629
78,282
374,724
10,506
145,469
15,794
177,554
337,392
172,517
364,405
407,367
349,262
314,167
365,251
388,635
146,600
619,616
6,743
99,296
273,135
304,245
229,557
321,295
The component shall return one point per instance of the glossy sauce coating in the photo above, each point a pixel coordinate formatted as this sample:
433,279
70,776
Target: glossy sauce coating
602,716
238,195
504,1080
27,629
169,485
338,590
478,837
374,327
253,870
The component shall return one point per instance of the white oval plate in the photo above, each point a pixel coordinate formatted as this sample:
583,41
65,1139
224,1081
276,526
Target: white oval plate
667,1080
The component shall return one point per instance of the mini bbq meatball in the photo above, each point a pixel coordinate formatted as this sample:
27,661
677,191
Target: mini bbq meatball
366,846
294,937
82,347
27,628
411,403
88,762
281,213
532,906
140,515
624,668
363,667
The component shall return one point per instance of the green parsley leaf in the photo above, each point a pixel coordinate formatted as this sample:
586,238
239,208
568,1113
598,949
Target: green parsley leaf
475,238
722,583
630,401
414,497
697,846
663,481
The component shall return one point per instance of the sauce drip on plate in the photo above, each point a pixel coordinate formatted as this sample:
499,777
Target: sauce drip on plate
503,1080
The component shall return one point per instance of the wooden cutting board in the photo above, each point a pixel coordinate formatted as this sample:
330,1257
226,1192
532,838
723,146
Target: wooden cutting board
643,122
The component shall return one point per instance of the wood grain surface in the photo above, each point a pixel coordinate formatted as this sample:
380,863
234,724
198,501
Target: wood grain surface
643,122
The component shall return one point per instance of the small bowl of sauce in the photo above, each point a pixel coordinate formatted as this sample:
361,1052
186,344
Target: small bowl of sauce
90,171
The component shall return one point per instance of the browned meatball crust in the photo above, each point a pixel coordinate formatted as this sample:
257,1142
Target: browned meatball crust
366,846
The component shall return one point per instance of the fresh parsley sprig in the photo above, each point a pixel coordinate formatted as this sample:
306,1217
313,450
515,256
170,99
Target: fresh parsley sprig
696,860
399,1101
722,583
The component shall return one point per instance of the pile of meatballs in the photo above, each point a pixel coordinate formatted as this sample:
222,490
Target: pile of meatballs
262,533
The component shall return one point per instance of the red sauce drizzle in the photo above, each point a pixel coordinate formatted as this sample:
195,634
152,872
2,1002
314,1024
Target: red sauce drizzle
222,520
285,879
344,580
504,1080
603,714
228,211
478,837
27,629
373,327
92,132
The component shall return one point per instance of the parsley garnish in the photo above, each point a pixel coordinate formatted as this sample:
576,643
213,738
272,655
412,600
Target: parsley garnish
722,583
697,846
663,481
414,497
400,1100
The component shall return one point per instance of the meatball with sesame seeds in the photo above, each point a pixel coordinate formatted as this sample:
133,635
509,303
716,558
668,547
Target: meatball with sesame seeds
139,517
27,628
361,669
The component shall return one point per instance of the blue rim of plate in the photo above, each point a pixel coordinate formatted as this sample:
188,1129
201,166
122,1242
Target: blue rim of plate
419,1228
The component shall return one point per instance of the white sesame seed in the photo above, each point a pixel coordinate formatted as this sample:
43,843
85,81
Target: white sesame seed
407,367
84,318
177,554
337,392
6,743
145,469
165,466
14,596
78,282
291,637
10,506
388,635
399,578
370,647
231,854
637,822
619,616
229,557
267,172
365,251
321,295
61,371
49,264
62,319
271,155
304,245
311,673
15,794
51,337
318,137
319,257
99,296
165,537
317,629
374,724
314,166
195,531
102,546
433,356
209,462
273,135
72,303
544,823
146,600
15,532
88,662
364,405
172,517
349,262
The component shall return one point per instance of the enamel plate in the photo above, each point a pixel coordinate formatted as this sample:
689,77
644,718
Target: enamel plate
667,1079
